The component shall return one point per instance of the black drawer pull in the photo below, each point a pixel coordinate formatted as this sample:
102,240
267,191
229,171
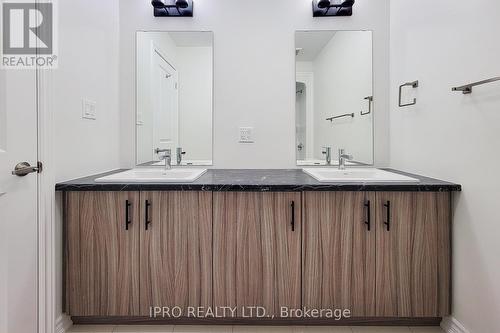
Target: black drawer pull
148,222
292,206
369,215
388,208
127,214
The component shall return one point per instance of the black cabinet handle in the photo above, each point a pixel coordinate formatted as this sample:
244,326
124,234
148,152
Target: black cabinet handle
292,206
148,222
388,208
127,214
369,215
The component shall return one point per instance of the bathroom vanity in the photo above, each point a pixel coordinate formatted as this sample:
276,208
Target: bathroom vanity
269,238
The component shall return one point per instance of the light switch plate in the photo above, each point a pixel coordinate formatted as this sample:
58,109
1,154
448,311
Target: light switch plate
246,135
89,109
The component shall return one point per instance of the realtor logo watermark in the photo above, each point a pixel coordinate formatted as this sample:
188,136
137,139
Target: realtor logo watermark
29,38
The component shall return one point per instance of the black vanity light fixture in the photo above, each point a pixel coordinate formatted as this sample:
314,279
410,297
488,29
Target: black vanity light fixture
174,8
332,7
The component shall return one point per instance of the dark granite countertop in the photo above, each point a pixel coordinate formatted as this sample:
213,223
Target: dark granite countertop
257,180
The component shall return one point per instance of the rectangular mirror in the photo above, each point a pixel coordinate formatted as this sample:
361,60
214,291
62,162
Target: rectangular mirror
334,97
174,97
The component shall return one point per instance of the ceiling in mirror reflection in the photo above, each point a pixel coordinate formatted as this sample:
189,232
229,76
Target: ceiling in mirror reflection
310,45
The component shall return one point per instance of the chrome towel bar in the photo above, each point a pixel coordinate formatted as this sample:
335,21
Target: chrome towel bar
370,100
467,89
413,84
341,116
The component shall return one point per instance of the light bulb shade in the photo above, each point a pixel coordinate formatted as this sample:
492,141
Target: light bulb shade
323,4
182,3
158,3
172,8
322,8
348,3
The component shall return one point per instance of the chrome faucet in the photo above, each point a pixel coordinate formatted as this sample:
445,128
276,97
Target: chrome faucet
343,157
328,155
179,154
167,157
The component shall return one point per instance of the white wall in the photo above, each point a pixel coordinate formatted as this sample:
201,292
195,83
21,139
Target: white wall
342,79
195,67
254,72
454,136
88,68
304,66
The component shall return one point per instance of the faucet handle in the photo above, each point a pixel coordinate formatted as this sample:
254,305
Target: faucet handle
342,154
166,151
326,149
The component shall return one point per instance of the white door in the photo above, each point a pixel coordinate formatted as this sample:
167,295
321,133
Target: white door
18,203
165,104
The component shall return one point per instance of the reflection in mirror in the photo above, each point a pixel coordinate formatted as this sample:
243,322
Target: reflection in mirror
174,97
334,96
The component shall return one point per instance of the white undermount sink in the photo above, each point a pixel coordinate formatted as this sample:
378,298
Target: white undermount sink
157,175
358,175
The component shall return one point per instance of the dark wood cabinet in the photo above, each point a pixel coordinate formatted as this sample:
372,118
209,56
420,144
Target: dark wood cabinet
175,250
115,267
378,254
102,253
339,252
398,268
257,259
413,254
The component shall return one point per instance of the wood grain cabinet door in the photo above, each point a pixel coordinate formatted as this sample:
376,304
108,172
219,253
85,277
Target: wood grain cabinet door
339,252
257,258
102,254
175,250
413,254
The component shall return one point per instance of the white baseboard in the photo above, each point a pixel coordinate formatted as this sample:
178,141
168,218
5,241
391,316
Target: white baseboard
63,323
451,325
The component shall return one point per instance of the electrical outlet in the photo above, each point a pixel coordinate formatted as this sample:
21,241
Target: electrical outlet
89,109
246,135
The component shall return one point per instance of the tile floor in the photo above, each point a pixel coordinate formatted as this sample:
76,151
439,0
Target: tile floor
248,329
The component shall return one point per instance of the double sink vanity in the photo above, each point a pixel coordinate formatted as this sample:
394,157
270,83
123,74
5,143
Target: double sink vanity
379,247
337,235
